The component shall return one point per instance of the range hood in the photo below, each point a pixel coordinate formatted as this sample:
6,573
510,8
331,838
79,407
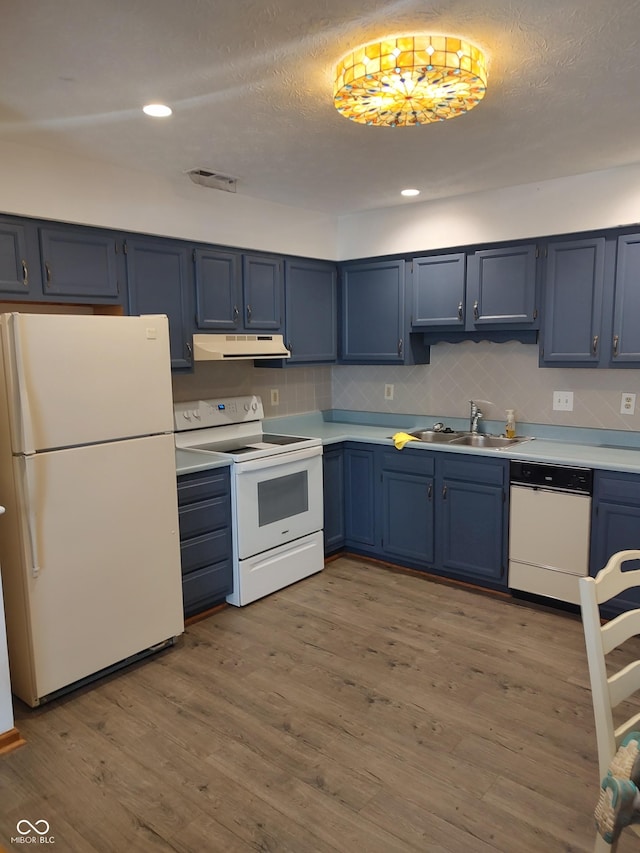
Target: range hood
236,347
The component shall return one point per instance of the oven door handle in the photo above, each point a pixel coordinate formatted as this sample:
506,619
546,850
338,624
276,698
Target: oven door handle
279,459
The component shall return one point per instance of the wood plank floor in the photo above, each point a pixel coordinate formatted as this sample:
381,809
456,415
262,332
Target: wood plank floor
363,709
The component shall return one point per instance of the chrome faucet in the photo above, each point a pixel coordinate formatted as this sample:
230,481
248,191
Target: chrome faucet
474,416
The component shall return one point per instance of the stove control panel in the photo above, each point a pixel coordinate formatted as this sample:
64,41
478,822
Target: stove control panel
195,414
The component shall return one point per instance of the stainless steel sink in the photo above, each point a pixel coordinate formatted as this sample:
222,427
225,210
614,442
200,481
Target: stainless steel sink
434,436
480,440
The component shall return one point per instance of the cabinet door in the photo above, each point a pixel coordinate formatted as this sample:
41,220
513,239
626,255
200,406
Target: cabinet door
408,517
359,495
263,289
159,282
373,312
218,280
574,281
501,288
439,291
472,519
333,496
625,346
19,263
80,262
311,311
615,527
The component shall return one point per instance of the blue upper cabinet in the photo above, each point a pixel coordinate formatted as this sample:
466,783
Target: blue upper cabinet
439,285
311,311
374,320
490,290
238,292
501,288
625,341
83,264
19,261
263,291
160,282
574,282
218,278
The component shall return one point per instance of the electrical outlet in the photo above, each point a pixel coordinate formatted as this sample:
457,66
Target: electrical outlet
563,401
275,397
627,404
388,392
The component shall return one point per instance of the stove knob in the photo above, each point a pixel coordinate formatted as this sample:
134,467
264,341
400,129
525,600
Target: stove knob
186,415
246,407
196,414
254,406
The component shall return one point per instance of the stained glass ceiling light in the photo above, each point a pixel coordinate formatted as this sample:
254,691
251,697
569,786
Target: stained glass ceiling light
410,80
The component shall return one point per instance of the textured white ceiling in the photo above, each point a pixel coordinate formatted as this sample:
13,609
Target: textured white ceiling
251,88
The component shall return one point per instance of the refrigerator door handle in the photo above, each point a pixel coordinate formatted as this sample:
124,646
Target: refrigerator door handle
23,411
30,490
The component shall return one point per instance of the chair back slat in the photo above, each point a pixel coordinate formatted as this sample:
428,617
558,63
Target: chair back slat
625,683
620,629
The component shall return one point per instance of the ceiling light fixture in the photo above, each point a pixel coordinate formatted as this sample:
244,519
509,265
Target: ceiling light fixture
157,110
410,80
409,192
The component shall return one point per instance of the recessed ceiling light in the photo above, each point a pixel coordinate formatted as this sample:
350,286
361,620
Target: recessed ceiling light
157,110
410,192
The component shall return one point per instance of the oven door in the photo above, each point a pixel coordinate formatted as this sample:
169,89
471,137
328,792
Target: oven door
276,499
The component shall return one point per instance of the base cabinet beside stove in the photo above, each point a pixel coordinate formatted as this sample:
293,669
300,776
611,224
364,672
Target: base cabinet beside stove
204,509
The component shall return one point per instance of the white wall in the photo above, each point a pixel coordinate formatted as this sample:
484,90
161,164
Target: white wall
584,202
52,185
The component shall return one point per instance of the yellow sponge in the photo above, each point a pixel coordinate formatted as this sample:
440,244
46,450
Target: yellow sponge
401,438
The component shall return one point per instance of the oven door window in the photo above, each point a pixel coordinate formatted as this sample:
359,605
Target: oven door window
282,497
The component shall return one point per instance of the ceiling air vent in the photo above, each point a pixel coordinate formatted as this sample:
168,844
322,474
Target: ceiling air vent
214,180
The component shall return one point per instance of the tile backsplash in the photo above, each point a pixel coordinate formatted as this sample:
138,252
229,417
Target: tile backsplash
300,389
504,375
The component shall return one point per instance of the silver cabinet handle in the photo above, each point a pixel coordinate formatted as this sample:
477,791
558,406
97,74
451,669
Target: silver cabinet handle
25,274
476,313
248,313
444,493
460,310
616,341
289,347
47,268
429,491
190,350
236,313
594,346
400,347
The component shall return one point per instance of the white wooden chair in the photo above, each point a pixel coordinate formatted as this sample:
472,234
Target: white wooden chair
609,691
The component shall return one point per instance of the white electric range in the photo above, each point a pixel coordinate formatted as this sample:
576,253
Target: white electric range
276,492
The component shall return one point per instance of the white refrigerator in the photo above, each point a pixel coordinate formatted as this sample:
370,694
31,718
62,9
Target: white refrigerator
89,544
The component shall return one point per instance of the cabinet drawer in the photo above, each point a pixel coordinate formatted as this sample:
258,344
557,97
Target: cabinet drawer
205,550
206,586
205,516
488,471
620,489
408,462
202,485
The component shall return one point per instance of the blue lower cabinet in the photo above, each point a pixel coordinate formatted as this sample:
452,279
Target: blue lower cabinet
360,497
204,510
408,517
333,497
472,519
407,507
615,526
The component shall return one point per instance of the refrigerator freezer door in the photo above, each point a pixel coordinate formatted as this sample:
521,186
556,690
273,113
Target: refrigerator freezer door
107,583
74,380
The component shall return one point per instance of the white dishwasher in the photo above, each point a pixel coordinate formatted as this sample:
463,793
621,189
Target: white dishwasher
549,529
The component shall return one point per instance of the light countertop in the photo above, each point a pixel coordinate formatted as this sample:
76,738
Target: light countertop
580,447
188,461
